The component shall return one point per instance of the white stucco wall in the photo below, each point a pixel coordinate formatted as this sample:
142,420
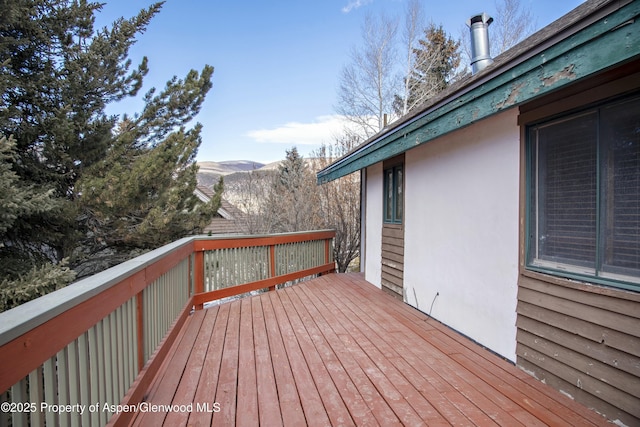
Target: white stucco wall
373,225
461,230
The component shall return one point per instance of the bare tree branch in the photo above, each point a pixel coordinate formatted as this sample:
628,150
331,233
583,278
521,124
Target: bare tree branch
340,201
414,23
368,84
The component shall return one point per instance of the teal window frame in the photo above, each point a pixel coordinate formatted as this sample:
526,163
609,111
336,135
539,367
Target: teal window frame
393,209
602,140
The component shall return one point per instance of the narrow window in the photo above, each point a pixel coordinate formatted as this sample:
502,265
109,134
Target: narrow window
388,197
393,195
399,203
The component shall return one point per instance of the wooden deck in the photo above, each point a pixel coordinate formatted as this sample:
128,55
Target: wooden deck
338,351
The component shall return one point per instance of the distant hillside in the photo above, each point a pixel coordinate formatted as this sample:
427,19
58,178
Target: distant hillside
228,167
241,189
272,165
210,172
233,170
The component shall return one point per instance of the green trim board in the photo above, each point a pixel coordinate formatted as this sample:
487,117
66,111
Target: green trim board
580,55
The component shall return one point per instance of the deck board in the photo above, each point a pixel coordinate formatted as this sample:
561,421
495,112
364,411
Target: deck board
268,405
247,406
338,351
377,360
226,392
451,344
210,371
333,404
185,392
312,405
348,392
345,349
289,399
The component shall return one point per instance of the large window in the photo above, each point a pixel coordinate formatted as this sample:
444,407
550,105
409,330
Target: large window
584,194
393,198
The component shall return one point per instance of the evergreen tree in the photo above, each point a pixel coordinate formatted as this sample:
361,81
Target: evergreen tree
57,76
19,202
16,199
292,171
107,185
141,195
293,202
436,60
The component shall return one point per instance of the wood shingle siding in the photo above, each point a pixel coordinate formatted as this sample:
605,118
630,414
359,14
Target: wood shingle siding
583,340
393,259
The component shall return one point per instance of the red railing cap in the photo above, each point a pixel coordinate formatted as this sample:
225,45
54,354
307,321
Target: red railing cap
204,243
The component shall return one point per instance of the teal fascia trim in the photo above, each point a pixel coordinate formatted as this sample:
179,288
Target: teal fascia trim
607,42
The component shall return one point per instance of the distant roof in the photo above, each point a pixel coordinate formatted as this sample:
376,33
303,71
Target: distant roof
230,219
567,50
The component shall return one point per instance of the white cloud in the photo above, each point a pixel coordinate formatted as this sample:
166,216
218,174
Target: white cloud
322,129
354,4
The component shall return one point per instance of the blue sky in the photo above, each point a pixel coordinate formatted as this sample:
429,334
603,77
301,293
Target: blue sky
276,62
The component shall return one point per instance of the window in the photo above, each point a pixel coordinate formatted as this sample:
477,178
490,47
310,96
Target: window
393,197
584,194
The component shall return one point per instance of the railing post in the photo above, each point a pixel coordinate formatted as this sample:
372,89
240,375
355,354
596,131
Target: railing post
327,248
198,276
272,264
140,328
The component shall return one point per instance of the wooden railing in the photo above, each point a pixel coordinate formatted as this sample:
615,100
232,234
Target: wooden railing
70,357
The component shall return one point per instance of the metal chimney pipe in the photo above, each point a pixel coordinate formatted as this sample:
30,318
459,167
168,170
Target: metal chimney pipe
480,55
